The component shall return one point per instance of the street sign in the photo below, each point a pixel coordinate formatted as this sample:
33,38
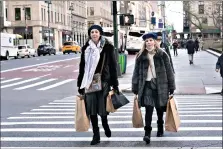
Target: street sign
153,20
126,20
160,25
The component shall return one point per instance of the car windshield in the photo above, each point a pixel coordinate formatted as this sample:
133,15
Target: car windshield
68,44
21,47
41,46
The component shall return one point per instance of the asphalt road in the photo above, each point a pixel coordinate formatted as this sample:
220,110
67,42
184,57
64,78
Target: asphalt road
38,106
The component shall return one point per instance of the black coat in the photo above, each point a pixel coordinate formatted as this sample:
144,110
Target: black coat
109,72
164,74
190,47
219,64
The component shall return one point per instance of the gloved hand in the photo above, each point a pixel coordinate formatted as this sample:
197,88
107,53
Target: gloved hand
171,91
135,92
81,91
116,89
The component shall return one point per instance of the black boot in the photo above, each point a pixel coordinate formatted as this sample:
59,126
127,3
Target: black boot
96,136
148,130
105,125
159,128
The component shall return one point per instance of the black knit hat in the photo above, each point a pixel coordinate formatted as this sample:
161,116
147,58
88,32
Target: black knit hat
97,27
159,34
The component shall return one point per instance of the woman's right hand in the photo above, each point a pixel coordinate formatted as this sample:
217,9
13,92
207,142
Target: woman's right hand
81,91
135,92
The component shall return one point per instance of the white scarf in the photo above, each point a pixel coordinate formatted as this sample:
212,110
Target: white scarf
92,56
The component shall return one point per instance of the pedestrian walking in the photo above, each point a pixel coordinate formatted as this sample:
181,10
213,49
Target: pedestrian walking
175,46
197,44
190,50
153,81
219,66
97,57
164,47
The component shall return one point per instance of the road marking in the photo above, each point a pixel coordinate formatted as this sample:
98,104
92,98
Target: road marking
56,84
110,122
35,84
25,81
65,139
102,130
2,78
77,70
10,80
109,117
13,69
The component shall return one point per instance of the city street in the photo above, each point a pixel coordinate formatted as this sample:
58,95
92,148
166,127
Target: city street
38,105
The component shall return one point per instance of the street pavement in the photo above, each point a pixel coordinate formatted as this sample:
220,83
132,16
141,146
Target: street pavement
38,103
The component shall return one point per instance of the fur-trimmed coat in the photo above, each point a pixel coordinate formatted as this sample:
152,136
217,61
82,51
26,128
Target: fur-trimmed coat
164,74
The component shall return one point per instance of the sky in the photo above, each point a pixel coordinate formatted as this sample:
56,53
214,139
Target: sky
174,14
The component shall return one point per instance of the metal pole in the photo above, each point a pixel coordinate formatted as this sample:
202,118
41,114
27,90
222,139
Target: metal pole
116,35
26,29
49,19
222,24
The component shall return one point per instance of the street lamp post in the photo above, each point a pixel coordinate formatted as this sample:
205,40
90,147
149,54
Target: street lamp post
26,29
71,8
48,3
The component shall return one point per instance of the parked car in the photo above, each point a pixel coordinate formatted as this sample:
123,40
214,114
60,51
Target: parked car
71,47
26,50
46,49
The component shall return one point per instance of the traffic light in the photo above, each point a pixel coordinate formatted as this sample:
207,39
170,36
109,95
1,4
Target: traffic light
126,20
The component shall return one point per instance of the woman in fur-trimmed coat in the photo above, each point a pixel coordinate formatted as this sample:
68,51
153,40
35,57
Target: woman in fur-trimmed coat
152,63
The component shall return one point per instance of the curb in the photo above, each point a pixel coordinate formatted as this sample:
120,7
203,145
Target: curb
213,52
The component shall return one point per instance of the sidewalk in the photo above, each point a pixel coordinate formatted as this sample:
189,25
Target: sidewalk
196,79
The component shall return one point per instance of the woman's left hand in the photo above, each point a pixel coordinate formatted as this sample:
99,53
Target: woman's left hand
116,89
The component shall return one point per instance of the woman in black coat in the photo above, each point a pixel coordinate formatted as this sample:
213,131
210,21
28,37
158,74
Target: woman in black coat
96,52
219,66
153,80
190,50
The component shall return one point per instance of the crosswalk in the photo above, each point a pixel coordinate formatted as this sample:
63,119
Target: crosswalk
38,83
52,125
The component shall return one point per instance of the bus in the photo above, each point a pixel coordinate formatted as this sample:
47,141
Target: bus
134,39
9,45
109,34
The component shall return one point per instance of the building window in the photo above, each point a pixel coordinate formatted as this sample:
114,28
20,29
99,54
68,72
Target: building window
51,16
42,12
88,11
91,11
90,23
17,14
205,20
55,17
6,13
58,15
28,13
61,18
64,19
201,9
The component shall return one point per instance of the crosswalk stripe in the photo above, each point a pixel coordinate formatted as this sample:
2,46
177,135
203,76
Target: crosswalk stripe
111,115
118,139
10,80
2,78
111,122
102,130
56,84
22,82
35,84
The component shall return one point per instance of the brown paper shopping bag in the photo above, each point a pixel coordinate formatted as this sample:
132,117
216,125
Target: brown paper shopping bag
137,120
172,122
82,122
109,105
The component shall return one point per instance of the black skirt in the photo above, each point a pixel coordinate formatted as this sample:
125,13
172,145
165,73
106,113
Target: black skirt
150,96
96,102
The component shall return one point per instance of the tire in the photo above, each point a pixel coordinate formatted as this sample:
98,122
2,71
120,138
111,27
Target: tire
16,57
7,56
39,54
29,55
64,53
54,53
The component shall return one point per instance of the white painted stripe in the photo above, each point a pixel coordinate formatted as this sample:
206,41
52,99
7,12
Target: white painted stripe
105,148
56,84
179,106
119,139
10,80
35,84
2,78
111,122
38,64
111,115
130,64
77,70
51,103
102,130
25,81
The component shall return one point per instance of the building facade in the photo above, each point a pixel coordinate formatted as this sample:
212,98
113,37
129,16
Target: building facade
99,12
207,13
34,21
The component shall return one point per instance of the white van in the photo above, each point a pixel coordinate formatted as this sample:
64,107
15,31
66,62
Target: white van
9,45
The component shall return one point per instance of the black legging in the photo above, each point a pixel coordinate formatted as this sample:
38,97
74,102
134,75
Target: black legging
94,120
175,51
149,114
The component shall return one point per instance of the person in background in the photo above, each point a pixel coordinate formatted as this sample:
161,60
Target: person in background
219,66
175,46
197,44
94,53
152,65
190,50
164,47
